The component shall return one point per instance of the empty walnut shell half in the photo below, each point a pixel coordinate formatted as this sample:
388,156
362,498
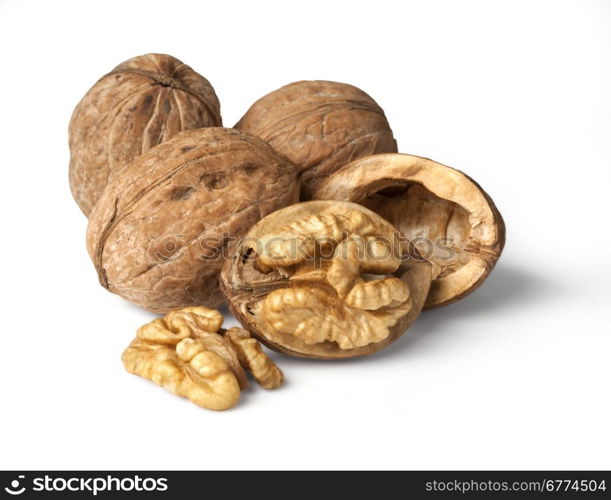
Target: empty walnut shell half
325,279
320,126
189,354
141,103
444,213
161,230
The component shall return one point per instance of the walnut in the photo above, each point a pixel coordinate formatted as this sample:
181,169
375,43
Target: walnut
449,218
190,355
141,103
161,230
253,359
320,126
325,279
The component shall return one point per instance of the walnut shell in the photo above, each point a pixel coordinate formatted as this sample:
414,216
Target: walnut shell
161,229
450,219
325,279
319,126
141,103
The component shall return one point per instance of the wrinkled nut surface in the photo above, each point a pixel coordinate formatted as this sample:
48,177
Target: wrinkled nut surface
320,126
188,353
162,229
448,217
141,103
325,279
253,359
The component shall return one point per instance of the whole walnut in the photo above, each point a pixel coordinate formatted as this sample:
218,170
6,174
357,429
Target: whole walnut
320,126
141,103
161,230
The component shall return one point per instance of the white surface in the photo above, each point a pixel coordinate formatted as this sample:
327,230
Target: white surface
517,94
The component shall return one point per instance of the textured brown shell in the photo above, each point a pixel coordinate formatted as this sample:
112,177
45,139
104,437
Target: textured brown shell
440,206
141,103
245,287
160,231
319,126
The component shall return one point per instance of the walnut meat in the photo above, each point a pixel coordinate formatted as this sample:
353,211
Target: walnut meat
449,218
141,103
160,232
325,279
320,126
189,354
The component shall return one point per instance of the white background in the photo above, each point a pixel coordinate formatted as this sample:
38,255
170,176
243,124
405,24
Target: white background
517,94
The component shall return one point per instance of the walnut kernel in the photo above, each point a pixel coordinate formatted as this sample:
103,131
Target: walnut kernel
187,353
325,279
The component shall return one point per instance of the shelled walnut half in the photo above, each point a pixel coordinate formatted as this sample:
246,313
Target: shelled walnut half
189,354
450,219
325,279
